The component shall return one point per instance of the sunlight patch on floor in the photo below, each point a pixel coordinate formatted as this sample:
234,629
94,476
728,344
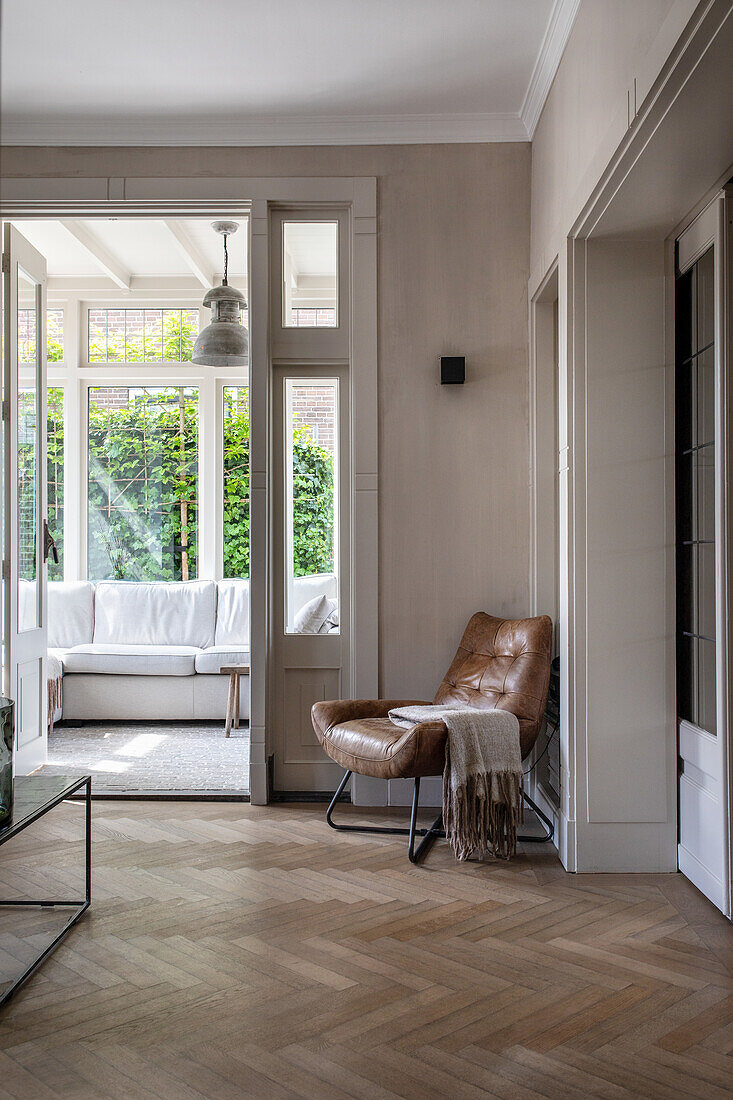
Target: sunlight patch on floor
140,745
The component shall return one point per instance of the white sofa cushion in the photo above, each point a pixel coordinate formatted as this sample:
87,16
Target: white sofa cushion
180,613
210,661
317,584
70,613
232,613
313,615
131,660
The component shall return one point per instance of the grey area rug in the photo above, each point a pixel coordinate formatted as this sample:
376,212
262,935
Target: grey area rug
152,756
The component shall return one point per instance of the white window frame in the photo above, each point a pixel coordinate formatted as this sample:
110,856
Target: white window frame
101,196
180,301
76,375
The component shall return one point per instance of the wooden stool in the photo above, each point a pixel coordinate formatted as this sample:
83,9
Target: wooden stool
233,672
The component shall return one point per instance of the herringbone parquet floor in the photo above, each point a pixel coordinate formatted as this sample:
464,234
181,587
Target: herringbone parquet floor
237,951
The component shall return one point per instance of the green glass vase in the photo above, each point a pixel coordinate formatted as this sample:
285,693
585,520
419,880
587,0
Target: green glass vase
7,735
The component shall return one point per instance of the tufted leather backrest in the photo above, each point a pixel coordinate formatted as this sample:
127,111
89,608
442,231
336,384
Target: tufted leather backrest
503,664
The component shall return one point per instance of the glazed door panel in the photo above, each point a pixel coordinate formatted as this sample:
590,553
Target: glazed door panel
310,568
26,547
703,547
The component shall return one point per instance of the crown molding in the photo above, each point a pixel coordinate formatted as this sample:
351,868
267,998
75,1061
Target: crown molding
548,60
323,130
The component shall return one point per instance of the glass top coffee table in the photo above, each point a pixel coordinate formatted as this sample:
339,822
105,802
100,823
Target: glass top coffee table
35,795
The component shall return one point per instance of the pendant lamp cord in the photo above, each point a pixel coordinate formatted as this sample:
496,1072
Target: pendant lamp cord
226,261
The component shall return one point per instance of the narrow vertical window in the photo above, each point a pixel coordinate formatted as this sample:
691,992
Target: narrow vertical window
236,482
310,274
55,477
142,495
29,329
311,443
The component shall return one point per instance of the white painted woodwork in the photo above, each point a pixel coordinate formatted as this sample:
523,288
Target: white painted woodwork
24,650
99,254
404,73
544,578
704,850
622,709
308,668
190,253
585,116
199,199
602,171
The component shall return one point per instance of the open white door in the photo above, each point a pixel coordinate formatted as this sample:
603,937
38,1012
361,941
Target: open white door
24,440
704,550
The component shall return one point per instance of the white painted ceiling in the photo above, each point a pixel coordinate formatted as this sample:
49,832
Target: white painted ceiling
284,72
141,247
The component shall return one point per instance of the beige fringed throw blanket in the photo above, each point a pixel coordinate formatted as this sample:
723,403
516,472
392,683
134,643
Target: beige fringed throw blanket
482,781
55,680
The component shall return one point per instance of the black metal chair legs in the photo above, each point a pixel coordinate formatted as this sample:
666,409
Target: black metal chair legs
429,836
549,834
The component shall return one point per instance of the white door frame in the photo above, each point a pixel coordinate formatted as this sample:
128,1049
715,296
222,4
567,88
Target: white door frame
24,671
156,197
597,837
547,464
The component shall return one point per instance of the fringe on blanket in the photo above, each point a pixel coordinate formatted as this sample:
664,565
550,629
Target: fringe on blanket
55,699
481,816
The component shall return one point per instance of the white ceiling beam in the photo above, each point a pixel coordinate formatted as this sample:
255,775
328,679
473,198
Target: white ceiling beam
190,254
104,259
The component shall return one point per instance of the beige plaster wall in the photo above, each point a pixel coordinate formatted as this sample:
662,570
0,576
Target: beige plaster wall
453,268
586,113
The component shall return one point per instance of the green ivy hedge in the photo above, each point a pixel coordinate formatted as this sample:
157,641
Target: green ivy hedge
143,487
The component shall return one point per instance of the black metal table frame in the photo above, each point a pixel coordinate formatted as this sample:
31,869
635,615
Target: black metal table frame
80,907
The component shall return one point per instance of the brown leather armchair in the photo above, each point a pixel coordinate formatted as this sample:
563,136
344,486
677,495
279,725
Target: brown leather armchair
500,663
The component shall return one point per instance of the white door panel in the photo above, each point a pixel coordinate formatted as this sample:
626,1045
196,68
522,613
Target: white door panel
24,423
703,553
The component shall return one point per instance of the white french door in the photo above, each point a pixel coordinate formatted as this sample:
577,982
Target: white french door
311,605
25,528
704,548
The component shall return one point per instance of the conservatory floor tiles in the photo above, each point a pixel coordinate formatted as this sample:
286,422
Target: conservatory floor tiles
152,757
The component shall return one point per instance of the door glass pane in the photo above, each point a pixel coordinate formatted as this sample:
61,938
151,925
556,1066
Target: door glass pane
686,688
705,590
310,274
695,497
311,445
29,343
55,478
705,385
236,481
705,300
704,494
706,684
142,495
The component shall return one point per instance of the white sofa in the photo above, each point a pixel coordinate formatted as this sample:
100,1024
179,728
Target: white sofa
132,650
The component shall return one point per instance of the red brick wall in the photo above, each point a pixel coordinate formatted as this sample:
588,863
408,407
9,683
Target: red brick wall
316,407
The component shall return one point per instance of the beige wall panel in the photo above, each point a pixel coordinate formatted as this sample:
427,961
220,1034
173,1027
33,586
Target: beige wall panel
586,113
630,626
453,461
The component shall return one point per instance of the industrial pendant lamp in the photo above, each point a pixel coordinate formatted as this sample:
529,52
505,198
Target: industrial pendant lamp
223,343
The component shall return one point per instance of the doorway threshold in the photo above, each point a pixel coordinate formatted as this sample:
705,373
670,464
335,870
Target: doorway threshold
170,796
